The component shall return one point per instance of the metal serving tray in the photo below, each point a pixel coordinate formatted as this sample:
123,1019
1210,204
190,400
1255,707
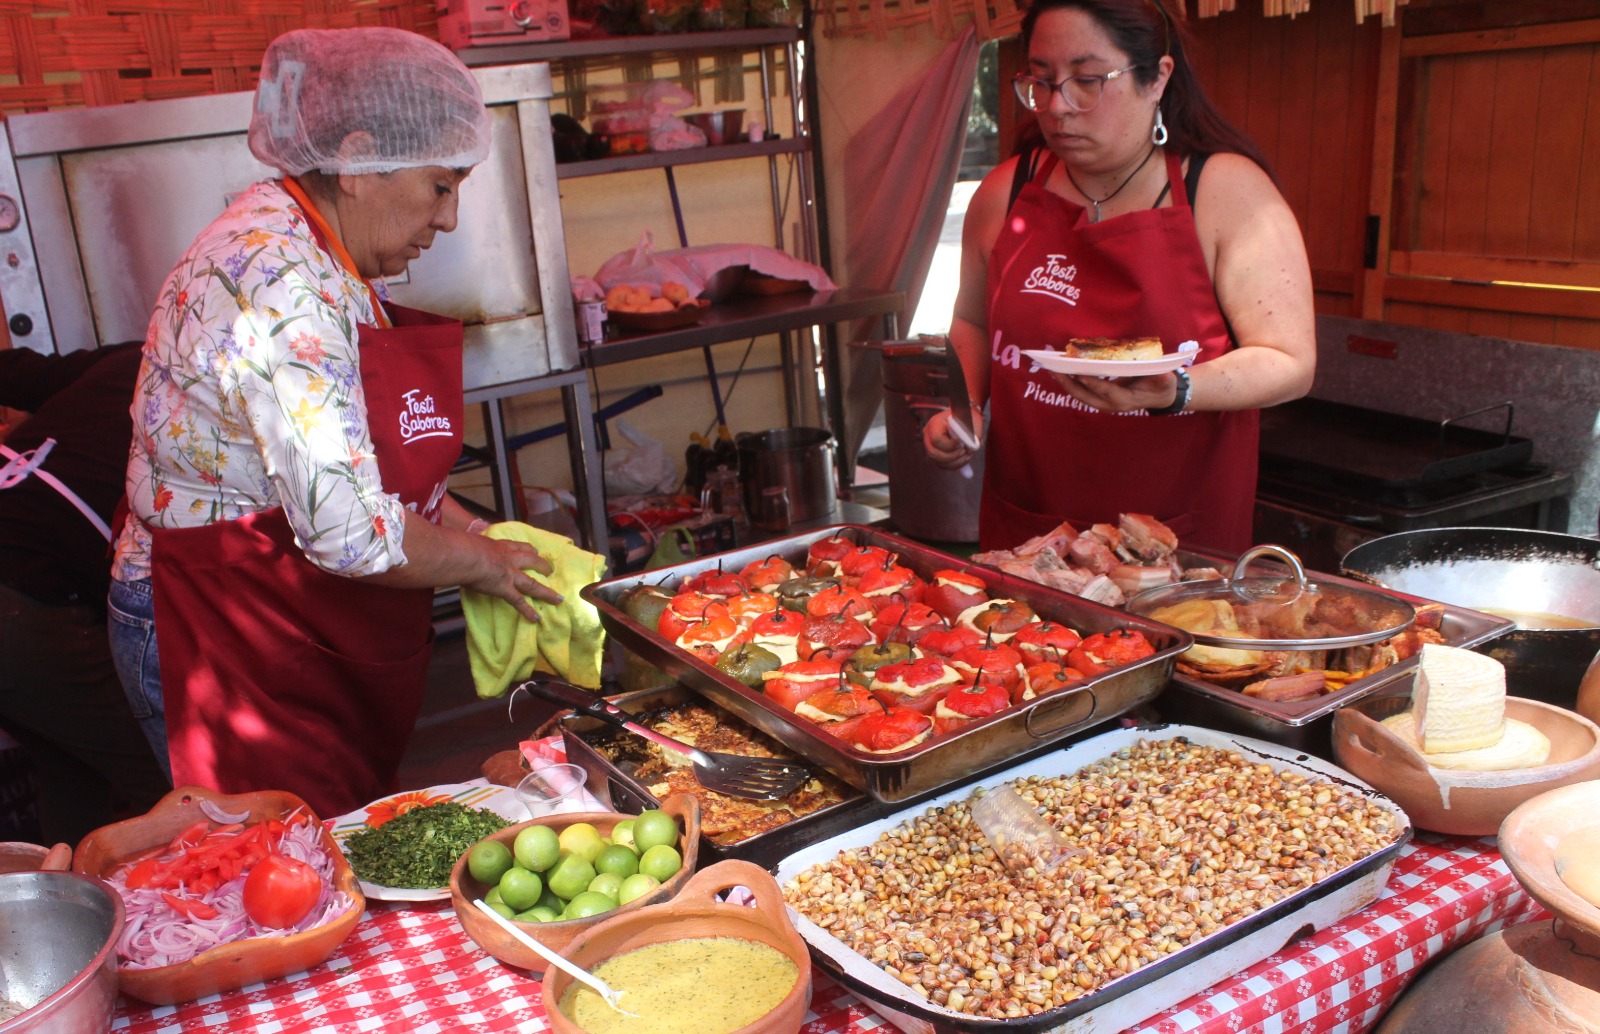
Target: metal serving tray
940,760
1159,985
609,782
1307,724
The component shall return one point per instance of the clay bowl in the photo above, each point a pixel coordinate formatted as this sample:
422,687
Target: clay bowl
492,939
17,856
226,967
655,322
1529,839
1464,803
696,913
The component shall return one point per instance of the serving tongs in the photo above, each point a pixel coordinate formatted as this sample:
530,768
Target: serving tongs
758,779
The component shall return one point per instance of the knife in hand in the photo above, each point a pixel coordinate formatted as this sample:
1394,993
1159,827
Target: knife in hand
962,420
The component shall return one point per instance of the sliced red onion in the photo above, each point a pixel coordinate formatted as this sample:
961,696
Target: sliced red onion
154,935
224,818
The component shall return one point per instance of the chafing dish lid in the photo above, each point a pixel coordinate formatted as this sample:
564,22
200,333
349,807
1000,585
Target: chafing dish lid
1274,612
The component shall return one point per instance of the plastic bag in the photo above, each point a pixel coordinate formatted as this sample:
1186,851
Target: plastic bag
640,266
642,467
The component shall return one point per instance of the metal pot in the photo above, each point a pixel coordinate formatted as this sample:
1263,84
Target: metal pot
1514,572
797,458
927,502
58,938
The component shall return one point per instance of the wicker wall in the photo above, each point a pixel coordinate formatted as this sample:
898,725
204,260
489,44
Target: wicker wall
69,53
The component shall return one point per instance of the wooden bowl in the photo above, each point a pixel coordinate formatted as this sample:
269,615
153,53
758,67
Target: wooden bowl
696,913
1464,803
1529,840
226,967
492,939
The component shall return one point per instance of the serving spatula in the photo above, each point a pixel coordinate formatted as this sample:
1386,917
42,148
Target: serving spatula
758,779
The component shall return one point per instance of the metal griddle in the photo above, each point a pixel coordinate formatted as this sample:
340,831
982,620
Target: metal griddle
1385,450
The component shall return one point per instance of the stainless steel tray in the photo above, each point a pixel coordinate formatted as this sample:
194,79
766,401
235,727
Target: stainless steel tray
1306,724
609,781
1159,985
941,760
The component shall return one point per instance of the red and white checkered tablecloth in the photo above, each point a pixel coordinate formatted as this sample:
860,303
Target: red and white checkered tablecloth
410,968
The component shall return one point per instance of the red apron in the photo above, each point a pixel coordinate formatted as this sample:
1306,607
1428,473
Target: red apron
1055,275
278,675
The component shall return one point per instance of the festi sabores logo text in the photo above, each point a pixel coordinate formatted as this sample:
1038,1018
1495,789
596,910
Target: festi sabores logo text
419,418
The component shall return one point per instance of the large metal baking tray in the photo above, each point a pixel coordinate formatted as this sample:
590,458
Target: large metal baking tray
1386,450
610,782
1306,724
943,759
1159,985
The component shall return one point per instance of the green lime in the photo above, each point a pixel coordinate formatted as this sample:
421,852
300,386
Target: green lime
543,914
637,886
569,877
532,915
589,903
622,833
549,900
501,907
617,859
582,839
520,888
654,827
661,861
488,861
493,897
607,883
536,848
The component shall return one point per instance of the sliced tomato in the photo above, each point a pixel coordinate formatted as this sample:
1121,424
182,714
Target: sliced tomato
190,908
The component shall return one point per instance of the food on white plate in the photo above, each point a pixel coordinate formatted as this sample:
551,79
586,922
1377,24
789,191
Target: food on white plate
220,882
1461,696
417,849
1113,349
1185,839
1106,563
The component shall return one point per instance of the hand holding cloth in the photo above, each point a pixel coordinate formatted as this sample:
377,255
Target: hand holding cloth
567,641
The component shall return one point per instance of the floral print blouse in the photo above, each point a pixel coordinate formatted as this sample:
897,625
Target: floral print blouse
249,396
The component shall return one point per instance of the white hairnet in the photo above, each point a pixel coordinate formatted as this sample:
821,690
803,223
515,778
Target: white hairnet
413,100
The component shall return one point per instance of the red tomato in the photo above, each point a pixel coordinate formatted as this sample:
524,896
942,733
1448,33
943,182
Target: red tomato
280,891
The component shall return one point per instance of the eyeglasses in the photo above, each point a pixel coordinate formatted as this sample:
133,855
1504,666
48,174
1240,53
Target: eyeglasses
1081,92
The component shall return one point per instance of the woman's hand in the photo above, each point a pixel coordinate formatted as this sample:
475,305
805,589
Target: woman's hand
506,564
1121,394
943,447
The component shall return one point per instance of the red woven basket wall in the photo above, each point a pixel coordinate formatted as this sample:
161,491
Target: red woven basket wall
70,53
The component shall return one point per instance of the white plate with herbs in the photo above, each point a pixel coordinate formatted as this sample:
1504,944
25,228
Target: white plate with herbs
497,801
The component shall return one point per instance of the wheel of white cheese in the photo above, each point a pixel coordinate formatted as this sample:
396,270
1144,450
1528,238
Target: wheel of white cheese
1459,700
1519,746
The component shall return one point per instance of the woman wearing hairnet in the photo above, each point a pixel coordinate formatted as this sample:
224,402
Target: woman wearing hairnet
293,433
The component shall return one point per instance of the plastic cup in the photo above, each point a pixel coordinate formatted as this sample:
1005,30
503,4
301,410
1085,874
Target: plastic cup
552,790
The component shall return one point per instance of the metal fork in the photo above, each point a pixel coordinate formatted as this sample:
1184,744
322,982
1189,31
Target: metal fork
758,779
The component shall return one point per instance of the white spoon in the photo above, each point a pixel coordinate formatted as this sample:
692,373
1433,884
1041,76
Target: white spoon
583,976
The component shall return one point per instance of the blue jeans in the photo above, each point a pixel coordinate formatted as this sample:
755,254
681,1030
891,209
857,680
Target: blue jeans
131,620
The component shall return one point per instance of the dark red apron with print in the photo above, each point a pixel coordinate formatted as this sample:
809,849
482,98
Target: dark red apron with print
278,675
1054,275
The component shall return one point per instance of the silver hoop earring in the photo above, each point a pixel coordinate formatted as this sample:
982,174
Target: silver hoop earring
1158,134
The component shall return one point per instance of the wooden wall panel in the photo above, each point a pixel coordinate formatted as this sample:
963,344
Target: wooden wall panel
1302,88
1509,186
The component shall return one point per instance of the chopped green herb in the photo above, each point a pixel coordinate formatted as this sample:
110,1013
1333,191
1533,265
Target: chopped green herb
418,849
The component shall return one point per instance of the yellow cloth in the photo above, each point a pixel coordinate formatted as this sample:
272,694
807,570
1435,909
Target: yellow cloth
567,641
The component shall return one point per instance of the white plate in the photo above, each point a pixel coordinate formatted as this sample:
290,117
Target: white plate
498,799
1055,362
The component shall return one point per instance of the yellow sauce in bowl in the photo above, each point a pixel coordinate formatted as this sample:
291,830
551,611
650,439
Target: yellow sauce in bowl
708,985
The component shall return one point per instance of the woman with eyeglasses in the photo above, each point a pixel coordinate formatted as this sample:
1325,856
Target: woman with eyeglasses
1141,213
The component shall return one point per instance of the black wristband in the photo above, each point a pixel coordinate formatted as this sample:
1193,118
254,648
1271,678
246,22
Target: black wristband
1179,401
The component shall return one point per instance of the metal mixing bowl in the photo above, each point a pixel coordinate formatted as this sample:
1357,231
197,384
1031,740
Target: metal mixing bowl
58,940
